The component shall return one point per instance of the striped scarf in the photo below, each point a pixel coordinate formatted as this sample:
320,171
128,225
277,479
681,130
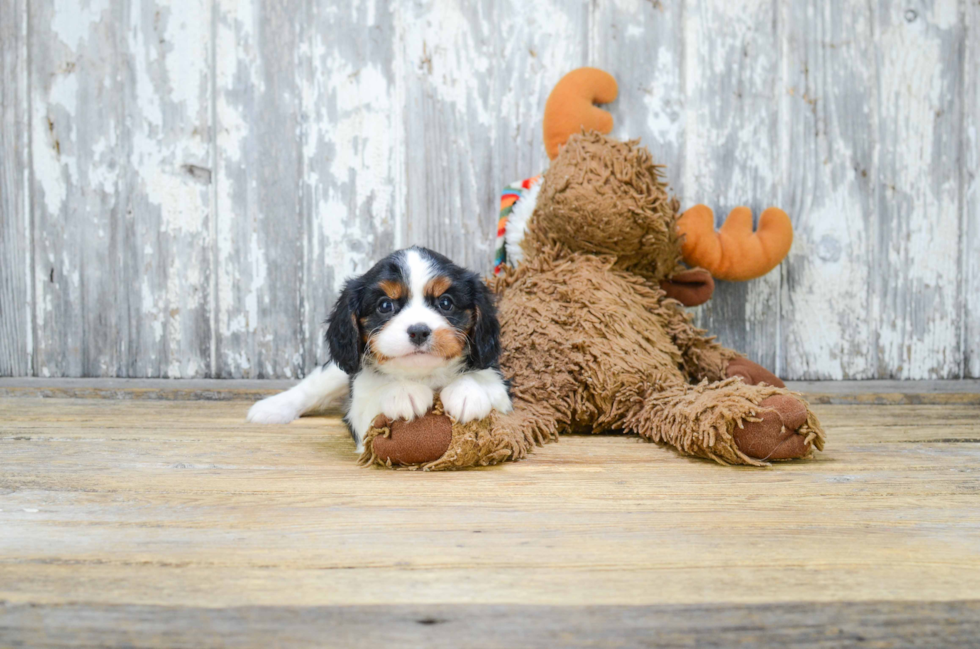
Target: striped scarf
508,199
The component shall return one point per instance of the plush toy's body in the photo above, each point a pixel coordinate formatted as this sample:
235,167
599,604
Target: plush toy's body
592,342
593,339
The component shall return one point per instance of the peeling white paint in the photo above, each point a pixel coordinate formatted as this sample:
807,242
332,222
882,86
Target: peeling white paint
47,163
970,253
918,319
662,102
259,273
414,114
122,220
150,309
945,13
146,93
730,152
827,327
187,38
53,121
360,134
440,45
72,20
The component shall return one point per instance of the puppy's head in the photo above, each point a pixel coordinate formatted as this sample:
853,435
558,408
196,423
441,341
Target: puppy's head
414,311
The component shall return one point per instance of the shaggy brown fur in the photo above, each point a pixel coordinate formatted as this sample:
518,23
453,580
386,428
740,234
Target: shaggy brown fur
606,197
592,343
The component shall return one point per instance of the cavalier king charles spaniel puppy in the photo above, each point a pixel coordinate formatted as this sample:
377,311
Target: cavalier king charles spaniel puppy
414,325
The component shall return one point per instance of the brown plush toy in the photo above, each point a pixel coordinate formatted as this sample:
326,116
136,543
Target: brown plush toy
594,334
437,442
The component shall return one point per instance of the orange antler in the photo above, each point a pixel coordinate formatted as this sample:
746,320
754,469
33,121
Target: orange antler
735,253
570,106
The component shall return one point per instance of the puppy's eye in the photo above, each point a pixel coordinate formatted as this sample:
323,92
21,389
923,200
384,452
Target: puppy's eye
385,306
445,303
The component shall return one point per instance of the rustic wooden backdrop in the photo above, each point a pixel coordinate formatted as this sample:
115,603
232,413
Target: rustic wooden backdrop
186,183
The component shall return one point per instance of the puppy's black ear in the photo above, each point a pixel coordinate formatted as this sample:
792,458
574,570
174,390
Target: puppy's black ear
485,333
344,331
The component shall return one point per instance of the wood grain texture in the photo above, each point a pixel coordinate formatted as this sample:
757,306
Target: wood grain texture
261,224
446,65
353,153
834,392
119,507
200,176
828,186
536,43
915,297
152,389
970,257
121,156
644,43
16,319
732,151
822,625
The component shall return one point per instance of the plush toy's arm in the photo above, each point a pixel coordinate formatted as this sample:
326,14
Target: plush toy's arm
703,357
436,442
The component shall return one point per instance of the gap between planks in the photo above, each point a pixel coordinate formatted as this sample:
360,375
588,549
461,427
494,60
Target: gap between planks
887,392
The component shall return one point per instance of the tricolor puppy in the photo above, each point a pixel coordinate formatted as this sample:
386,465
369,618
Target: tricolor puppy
412,326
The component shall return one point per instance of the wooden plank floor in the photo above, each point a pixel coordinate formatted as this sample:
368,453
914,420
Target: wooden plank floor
168,522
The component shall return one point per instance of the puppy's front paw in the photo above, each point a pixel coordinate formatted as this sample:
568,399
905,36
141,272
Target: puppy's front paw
465,400
406,401
280,409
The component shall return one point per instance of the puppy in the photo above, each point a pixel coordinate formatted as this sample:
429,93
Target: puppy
412,326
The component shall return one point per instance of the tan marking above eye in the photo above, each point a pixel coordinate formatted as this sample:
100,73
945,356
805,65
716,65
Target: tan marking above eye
394,290
437,286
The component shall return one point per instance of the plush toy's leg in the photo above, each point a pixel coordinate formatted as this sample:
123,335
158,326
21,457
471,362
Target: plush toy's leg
752,373
704,358
728,421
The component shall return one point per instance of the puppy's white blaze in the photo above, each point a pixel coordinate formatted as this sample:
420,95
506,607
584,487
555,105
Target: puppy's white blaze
393,341
419,274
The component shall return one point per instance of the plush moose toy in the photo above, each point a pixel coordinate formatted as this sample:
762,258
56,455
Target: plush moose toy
595,338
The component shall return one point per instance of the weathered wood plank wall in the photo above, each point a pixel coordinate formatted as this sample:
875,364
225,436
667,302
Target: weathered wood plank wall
828,183
120,149
970,191
16,311
186,183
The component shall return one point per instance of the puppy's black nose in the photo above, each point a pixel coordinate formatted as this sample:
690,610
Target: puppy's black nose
418,334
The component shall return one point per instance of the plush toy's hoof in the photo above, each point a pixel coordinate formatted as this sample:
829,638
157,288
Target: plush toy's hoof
424,439
752,373
776,437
